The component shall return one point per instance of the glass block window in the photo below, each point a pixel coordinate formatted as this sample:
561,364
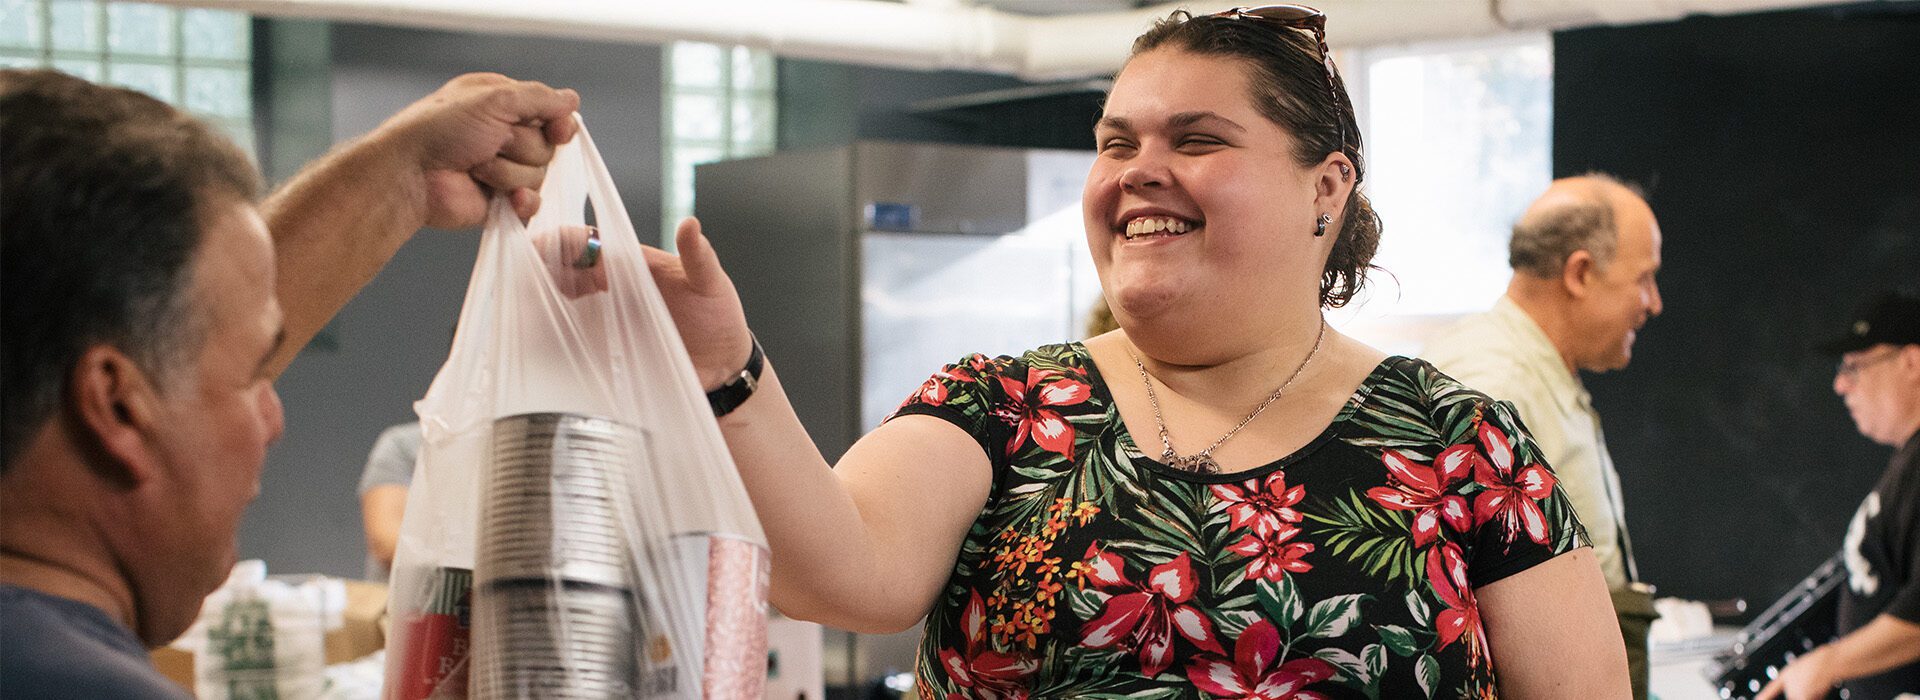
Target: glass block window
1459,141
197,59
720,104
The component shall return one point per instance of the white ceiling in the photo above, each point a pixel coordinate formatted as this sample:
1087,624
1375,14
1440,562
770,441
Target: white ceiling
1033,39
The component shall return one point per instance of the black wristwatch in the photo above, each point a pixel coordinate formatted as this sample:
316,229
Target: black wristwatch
736,391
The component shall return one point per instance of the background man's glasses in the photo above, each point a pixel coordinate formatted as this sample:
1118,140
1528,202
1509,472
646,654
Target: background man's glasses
1851,368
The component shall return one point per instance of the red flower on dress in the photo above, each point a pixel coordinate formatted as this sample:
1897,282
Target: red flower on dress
1027,409
1144,618
935,390
1266,503
990,674
1447,573
1273,555
1510,495
1247,676
932,393
1425,490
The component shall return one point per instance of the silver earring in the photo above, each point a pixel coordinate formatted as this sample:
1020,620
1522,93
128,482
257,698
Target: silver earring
1321,230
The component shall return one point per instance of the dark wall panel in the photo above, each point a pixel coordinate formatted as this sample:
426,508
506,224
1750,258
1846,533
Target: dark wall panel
1782,152
825,105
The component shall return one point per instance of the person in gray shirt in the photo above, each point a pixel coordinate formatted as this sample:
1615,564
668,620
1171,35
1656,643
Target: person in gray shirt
383,493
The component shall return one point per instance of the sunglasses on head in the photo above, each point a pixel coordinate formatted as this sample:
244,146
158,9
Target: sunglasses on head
1299,17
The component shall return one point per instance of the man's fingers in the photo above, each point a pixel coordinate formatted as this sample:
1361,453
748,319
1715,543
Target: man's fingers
526,202
527,144
1771,691
560,131
527,101
502,175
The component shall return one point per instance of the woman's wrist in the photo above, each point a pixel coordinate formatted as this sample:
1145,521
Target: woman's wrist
740,385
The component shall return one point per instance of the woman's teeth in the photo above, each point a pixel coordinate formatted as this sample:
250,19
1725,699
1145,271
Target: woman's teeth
1157,225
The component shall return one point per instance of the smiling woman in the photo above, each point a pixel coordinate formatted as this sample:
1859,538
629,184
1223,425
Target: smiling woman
1313,520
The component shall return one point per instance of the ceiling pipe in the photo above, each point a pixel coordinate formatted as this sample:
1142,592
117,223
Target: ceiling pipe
939,34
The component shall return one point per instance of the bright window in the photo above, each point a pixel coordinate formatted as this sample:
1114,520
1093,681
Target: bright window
1459,139
720,104
197,59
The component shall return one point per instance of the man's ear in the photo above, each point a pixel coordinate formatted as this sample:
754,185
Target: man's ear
1909,359
115,405
1577,275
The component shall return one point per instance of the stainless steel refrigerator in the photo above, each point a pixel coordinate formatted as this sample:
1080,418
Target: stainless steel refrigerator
866,268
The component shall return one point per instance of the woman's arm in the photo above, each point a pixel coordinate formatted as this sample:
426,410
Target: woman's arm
1553,632
864,545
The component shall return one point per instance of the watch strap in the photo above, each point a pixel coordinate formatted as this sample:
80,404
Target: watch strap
736,391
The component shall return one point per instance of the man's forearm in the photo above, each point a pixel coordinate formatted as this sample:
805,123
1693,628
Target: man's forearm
334,226
1885,643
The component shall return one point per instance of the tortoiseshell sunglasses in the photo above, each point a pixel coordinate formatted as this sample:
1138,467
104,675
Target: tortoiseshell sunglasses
1300,17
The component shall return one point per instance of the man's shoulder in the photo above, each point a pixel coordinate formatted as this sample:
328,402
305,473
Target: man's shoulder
53,647
1471,340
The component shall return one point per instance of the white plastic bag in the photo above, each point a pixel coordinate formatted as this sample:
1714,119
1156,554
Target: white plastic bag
575,516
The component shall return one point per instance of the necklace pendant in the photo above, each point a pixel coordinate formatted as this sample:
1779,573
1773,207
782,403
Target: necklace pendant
1200,463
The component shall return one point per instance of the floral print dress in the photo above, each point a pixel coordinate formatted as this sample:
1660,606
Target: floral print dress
1346,569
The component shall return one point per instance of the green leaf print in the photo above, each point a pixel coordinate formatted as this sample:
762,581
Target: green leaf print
1231,623
1281,601
1427,673
1379,540
1417,605
1153,694
1169,527
1101,673
1346,664
1398,639
1110,470
1376,658
1231,582
1086,603
1334,616
1146,550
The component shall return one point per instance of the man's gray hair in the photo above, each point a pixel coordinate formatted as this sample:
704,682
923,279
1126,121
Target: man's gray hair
1545,236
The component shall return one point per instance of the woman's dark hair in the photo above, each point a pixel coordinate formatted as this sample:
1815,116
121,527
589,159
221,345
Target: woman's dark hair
1289,85
107,191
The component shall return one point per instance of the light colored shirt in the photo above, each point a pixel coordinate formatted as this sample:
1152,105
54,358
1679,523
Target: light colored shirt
390,463
1504,354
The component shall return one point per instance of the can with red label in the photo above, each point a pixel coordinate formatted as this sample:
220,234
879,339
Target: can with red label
433,663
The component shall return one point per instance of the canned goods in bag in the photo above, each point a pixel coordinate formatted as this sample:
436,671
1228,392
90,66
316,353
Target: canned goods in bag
438,639
728,584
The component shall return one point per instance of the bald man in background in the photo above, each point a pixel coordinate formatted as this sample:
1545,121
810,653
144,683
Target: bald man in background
1584,257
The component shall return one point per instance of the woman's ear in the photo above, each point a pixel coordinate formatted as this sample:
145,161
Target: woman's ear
114,407
1333,183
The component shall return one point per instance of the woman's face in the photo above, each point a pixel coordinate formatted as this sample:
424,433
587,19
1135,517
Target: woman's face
1195,205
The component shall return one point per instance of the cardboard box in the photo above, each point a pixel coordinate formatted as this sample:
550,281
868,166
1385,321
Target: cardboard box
362,631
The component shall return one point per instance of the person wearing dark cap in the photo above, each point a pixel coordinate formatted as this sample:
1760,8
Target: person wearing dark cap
1877,654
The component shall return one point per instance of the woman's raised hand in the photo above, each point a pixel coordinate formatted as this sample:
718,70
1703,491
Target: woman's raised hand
704,304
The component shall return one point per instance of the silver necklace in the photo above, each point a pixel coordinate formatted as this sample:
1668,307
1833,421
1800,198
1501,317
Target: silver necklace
1202,461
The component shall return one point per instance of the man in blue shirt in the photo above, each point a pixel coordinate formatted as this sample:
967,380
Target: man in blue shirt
149,301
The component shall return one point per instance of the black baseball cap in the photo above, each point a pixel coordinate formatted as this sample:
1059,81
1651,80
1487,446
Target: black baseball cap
1891,317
